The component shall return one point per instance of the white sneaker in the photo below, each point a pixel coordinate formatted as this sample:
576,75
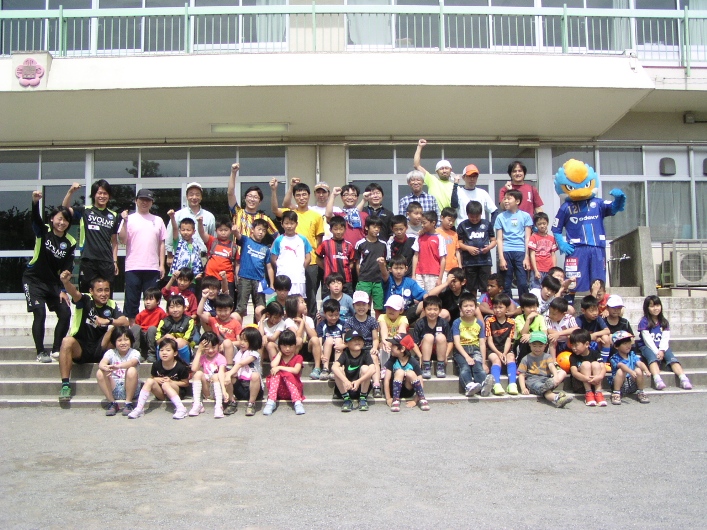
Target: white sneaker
54,355
136,413
299,408
218,412
472,388
180,414
196,409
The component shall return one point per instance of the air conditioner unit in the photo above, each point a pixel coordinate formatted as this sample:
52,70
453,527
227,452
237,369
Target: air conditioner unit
688,267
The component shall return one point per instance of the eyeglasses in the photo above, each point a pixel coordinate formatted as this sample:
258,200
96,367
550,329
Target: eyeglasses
254,197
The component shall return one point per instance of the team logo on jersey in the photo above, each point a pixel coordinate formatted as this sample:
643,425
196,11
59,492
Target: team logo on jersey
63,245
407,292
106,312
109,216
573,220
593,204
482,227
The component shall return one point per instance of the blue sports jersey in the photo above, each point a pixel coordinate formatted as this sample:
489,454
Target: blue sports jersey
475,235
583,221
254,257
409,289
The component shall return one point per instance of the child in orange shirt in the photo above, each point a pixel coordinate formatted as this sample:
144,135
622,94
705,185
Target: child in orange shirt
221,251
224,325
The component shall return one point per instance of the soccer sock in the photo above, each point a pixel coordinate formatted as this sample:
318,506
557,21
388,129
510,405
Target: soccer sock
512,375
175,399
346,396
426,365
605,354
196,390
142,399
218,395
440,365
364,395
397,388
65,381
496,372
417,385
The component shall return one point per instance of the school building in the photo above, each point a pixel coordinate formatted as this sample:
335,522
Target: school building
158,93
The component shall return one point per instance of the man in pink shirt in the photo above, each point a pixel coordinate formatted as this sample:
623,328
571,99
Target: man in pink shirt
143,235
531,203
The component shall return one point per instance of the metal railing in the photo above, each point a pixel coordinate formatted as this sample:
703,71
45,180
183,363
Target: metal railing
671,37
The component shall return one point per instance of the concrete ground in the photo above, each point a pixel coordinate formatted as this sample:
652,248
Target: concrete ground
517,464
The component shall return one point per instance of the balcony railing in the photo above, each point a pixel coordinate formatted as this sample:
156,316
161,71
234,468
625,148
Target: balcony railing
656,36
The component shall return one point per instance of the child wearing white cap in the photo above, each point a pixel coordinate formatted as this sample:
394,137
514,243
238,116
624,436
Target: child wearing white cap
367,327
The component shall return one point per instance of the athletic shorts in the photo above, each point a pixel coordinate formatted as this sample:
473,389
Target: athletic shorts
90,352
38,294
90,269
375,290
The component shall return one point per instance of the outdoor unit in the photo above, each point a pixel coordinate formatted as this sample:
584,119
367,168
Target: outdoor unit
687,267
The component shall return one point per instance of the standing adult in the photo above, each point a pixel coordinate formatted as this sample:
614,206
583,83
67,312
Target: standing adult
531,203
193,210
321,197
462,195
244,216
440,186
416,179
98,235
143,235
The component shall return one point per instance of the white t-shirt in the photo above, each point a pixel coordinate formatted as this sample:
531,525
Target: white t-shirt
271,330
291,324
113,357
290,252
477,194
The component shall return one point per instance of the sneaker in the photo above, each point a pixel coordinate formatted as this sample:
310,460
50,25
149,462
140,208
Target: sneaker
218,411
151,358
332,377
395,406
616,398
589,400
269,408
231,408
196,409
424,405
471,389
324,375
129,407
54,355
426,373
643,398
347,406
548,386
180,414
441,370
315,374
112,409
44,357
363,404
250,409
65,394
685,384
562,400
512,389
377,392
498,389
299,408
599,397
659,384
487,386
136,413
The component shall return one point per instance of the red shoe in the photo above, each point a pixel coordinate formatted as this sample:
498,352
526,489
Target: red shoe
599,396
589,400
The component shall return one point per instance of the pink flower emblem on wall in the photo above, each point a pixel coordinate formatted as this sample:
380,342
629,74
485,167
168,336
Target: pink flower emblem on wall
29,73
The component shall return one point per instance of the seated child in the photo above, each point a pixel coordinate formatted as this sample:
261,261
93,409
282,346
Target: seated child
212,287
331,334
432,334
493,289
184,278
595,325
400,243
284,380
395,281
353,371
528,321
226,327
626,370
403,377
546,293
209,368
367,327
221,251
282,286
390,324
538,375
169,378
469,335
117,372
178,326
305,331
450,293
336,255
598,291
245,379
500,330
270,326
560,324
335,284
146,322
614,320
587,368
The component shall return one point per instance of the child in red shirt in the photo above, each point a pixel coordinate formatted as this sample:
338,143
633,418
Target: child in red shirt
430,257
184,278
542,247
146,323
221,251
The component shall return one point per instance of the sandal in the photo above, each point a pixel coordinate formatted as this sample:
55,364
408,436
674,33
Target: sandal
424,405
395,406
616,398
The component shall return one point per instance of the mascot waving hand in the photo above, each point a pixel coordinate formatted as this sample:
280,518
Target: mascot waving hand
582,217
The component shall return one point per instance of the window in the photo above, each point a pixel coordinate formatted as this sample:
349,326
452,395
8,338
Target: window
77,34
120,33
701,199
262,162
22,34
466,31
624,161
163,163
216,31
164,33
669,210
264,28
504,155
461,156
562,154
70,165
417,31
387,186
374,160
19,165
513,30
115,163
15,220
211,161
635,213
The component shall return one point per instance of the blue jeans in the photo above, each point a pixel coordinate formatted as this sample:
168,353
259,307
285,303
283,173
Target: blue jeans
135,284
650,358
514,262
469,374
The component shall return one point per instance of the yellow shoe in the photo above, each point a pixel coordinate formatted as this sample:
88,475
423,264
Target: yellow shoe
512,389
498,390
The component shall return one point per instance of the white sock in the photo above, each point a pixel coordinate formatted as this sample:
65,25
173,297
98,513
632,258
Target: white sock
142,399
196,390
657,377
683,377
177,402
218,395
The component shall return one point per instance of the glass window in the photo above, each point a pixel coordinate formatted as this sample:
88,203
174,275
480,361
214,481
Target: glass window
621,161
467,31
53,197
513,30
261,162
64,165
215,200
211,161
387,186
164,163
166,199
122,197
502,156
16,221
264,28
369,29
373,160
669,210
264,186
417,31
635,213
77,33
19,165
431,154
164,33
461,156
216,29
120,33
22,34
701,198
561,154
11,270
115,163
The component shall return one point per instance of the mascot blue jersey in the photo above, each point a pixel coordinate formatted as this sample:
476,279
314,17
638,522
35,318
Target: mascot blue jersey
584,221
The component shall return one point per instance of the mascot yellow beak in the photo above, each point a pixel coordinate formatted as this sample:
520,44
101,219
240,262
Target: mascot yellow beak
582,185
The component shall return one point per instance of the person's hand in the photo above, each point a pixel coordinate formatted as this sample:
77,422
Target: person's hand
106,369
204,293
421,142
36,195
223,275
660,355
176,274
526,264
486,368
200,220
438,281
605,313
124,215
274,370
474,251
525,338
170,213
294,181
65,298
355,385
297,320
65,276
235,167
75,187
336,191
525,391
366,195
273,183
502,264
509,185
116,269
381,260
537,275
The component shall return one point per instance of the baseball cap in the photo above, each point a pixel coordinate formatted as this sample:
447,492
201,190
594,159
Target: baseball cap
443,163
144,193
361,296
619,336
350,334
395,301
538,336
614,301
403,340
194,185
321,185
470,170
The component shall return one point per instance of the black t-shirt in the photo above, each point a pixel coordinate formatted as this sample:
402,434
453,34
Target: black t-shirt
423,328
84,325
412,361
179,372
352,365
384,215
97,228
396,248
52,254
475,235
576,360
367,254
592,326
621,325
450,302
